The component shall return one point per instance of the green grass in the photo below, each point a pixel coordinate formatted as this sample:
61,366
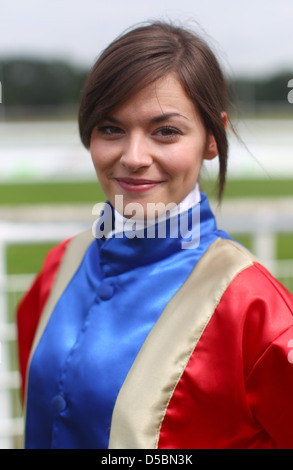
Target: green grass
259,188
284,244
51,193
90,192
26,259
251,188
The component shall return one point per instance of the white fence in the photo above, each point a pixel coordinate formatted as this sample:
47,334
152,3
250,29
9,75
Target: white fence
262,221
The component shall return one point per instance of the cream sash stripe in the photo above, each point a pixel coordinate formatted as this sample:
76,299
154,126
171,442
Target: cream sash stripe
144,397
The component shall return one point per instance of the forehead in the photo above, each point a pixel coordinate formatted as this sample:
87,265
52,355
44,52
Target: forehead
163,96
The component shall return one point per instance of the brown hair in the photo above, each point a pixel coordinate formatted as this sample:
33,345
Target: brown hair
145,54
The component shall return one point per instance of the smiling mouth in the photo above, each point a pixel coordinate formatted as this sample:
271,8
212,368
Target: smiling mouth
137,184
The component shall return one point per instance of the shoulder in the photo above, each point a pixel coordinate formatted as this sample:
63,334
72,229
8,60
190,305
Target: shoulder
69,252
251,278
40,289
248,282
254,304
229,277
247,271
54,258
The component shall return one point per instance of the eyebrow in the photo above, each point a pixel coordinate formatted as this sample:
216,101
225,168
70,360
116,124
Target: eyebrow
165,117
155,119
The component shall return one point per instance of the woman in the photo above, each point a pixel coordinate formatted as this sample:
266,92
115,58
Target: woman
159,331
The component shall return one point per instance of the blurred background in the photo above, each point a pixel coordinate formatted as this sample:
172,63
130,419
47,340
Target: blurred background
47,182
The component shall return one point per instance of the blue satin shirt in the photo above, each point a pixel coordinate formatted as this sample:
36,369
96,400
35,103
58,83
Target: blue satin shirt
98,327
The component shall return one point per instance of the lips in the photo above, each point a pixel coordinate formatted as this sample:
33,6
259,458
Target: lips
137,184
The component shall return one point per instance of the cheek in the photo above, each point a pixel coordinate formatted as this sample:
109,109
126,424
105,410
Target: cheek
185,161
100,156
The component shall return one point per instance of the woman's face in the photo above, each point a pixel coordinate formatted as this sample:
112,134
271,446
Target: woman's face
150,149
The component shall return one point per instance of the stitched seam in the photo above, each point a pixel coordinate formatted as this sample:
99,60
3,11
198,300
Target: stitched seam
264,352
260,268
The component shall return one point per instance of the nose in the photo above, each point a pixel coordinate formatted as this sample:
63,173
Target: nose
136,153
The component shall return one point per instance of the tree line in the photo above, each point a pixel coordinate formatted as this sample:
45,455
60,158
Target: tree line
40,86
55,86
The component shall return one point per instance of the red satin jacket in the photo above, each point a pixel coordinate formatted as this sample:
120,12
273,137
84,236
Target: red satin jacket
227,380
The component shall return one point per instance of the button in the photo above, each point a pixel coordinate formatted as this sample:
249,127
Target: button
105,291
58,403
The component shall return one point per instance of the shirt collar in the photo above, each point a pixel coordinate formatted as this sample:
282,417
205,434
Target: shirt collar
122,223
131,249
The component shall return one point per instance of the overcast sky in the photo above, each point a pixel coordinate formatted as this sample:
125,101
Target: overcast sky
251,37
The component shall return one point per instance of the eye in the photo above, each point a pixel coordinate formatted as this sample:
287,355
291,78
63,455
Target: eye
110,131
168,133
